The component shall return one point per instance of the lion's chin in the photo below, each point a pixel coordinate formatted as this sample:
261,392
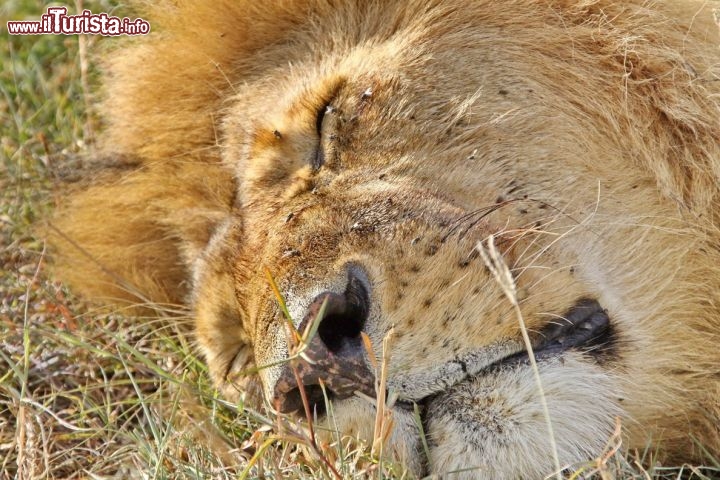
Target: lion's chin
489,423
493,420
495,423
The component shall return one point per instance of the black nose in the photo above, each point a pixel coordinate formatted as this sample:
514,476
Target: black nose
336,352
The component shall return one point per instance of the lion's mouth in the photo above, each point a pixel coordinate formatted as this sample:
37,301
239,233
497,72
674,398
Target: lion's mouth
585,327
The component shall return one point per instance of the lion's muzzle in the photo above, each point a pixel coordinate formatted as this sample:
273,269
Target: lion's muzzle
335,352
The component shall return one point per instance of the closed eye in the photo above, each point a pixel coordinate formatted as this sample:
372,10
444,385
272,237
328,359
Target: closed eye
319,157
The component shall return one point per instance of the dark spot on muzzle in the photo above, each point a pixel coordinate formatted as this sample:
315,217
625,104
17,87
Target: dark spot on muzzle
336,353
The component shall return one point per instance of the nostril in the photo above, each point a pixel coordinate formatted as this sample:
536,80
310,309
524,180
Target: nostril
344,316
337,328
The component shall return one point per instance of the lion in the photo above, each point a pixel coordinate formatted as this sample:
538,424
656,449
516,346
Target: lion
375,159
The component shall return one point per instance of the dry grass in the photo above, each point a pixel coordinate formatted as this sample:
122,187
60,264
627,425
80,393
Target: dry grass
86,393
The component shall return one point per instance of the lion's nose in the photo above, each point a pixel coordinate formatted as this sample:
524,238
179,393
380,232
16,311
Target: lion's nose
336,353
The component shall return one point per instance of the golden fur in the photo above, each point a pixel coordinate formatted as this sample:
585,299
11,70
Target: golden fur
588,131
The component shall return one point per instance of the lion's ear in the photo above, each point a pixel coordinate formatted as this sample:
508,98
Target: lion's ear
131,236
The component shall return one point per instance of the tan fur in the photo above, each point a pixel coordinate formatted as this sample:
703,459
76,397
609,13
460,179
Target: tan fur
588,130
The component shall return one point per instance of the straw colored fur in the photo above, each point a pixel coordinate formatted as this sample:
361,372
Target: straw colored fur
591,127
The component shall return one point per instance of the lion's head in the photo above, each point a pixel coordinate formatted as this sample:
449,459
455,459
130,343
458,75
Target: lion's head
385,162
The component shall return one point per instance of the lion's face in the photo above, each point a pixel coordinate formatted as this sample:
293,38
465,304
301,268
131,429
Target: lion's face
367,176
359,154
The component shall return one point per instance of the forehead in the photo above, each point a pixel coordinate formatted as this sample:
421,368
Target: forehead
436,52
